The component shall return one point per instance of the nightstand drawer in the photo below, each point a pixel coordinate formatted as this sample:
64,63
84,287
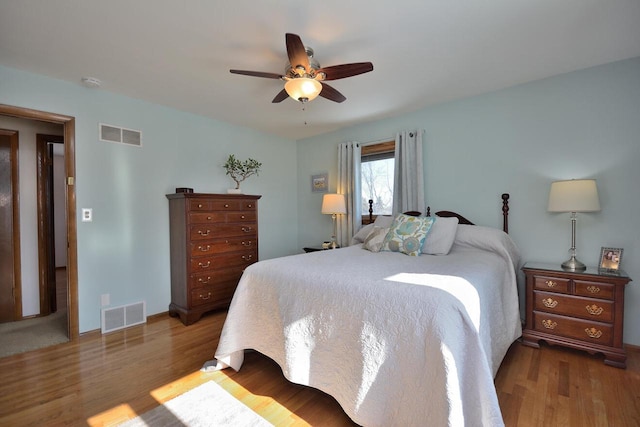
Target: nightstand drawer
585,308
551,284
583,330
594,289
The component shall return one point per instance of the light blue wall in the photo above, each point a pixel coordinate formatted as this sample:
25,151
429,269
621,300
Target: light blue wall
584,124
125,250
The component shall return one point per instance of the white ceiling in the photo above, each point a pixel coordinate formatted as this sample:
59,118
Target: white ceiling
424,52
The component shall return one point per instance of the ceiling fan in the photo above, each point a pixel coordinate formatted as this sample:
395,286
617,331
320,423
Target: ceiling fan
304,78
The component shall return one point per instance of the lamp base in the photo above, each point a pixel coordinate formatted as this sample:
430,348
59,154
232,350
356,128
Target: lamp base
573,264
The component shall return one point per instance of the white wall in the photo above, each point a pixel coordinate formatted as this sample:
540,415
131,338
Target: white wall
124,252
28,205
584,124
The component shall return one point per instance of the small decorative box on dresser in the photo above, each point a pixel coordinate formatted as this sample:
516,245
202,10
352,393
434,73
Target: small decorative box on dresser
214,237
583,310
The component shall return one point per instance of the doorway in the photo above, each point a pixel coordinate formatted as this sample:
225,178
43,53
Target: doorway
68,124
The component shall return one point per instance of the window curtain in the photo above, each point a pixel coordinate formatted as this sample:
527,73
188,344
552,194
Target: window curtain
349,185
408,186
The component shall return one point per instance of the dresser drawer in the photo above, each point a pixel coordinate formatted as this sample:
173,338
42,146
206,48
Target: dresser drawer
233,205
210,231
551,284
583,330
223,261
585,308
594,289
206,217
199,205
211,278
213,294
219,246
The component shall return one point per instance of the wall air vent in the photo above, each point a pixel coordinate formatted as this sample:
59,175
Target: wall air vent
115,318
110,133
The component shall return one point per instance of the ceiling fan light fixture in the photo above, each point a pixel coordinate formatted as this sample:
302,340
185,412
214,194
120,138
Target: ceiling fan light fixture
303,89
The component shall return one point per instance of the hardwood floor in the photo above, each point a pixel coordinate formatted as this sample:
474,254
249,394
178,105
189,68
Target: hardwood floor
102,380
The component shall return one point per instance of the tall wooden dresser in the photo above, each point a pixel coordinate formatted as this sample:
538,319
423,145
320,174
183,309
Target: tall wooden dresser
213,238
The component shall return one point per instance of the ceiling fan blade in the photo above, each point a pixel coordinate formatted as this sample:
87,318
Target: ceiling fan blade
331,94
281,96
346,70
296,51
257,74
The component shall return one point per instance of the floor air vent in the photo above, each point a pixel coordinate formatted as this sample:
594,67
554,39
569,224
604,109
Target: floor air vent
115,318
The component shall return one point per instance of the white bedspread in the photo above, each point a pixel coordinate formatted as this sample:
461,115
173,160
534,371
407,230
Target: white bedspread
396,340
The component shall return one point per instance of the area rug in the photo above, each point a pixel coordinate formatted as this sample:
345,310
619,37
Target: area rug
206,405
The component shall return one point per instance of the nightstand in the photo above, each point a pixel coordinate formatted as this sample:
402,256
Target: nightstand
313,249
582,310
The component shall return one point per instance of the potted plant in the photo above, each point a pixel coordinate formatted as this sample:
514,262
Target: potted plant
240,170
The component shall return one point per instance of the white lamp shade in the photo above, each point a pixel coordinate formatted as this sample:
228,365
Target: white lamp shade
333,204
303,88
576,195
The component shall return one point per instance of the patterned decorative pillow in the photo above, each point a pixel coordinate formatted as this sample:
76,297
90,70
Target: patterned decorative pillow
374,240
407,234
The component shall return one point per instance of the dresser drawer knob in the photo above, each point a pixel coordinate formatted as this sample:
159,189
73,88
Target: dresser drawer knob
593,333
203,233
199,205
549,324
593,289
594,310
204,281
204,265
249,243
550,303
204,249
249,205
209,218
246,229
241,216
226,205
201,296
247,257
551,283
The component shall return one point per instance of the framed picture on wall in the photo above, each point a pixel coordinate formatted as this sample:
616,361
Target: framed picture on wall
319,183
610,259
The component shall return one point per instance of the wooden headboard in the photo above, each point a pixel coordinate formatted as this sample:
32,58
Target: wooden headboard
461,219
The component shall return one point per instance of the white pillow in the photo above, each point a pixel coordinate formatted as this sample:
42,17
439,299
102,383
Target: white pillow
375,239
383,221
361,234
441,236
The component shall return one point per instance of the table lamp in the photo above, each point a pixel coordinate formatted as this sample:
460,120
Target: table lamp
576,195
334,204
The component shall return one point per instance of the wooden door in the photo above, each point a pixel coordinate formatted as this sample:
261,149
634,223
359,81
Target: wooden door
10,309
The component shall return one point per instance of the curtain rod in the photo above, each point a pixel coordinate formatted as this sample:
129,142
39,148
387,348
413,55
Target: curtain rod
391,138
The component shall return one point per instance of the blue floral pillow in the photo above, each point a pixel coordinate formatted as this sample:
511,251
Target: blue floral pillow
407,234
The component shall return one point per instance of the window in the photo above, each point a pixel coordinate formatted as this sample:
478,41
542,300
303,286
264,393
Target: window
376,179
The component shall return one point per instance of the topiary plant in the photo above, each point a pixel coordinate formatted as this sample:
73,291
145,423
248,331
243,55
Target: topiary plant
240,170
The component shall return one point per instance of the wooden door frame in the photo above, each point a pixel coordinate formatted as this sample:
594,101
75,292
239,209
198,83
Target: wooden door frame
69,125
15,223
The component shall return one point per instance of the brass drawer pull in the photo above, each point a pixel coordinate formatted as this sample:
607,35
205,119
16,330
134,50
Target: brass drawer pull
551,283
549,324
241,216
201,280
199,205
594,310
549,303
246,229
226,205
203,297
203,249
209,218
593,333
247,257
200,232
593,289
249,205
249,243
204,265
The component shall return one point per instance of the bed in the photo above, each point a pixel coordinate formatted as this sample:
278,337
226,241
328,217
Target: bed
397,340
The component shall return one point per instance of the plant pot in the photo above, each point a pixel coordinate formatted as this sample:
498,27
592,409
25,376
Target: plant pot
234,191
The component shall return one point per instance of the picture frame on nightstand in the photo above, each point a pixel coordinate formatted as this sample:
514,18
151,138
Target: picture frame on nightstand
610,259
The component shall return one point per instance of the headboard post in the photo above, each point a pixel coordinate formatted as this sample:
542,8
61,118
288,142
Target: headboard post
505,212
